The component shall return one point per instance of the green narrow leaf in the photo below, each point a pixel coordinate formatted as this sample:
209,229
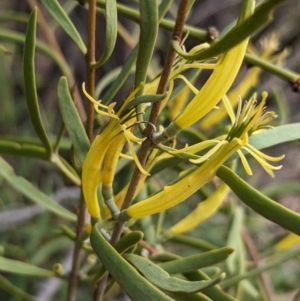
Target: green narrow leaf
148,34
135,286
197,261
142,99
127,67
162,279
72,120
18,38
57,12
128,240
163,8
22,268
147,39
213,292
111,32
263,205
276,135
22,149
124,244
30,83
14,291
31,192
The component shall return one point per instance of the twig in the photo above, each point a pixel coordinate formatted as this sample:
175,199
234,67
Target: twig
255,256
90,87
90,58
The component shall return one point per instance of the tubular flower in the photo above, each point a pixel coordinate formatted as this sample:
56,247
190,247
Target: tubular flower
117,131
249,119
219,82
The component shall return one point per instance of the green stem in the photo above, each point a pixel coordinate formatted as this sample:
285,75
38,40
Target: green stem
59,137
164,23
283,73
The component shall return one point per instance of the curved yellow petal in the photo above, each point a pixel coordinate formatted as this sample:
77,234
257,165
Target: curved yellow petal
245,163
221,79
209,153
132,151
111,159
264,156
91,170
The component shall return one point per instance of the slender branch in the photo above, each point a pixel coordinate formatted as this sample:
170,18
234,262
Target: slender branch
77,254
90,58
256,258
90,87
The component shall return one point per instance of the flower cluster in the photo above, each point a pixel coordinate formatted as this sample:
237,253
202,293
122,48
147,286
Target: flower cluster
100,164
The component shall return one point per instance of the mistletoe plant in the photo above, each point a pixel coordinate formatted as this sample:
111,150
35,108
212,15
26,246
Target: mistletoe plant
173,140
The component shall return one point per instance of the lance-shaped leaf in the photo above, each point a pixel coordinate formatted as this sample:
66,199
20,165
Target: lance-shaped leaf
127,66
148,34
111,32
277,135
17,148
263,205
57,12
162,279
147,39
22,268
194,262
31,192
72,120
30,83
135,286
213,292
14,290
144,99
125,243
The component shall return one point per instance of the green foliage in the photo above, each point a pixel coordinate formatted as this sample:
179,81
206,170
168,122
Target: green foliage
129,157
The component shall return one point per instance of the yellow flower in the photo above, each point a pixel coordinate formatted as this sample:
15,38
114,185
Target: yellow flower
219,82
249,119
118,129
